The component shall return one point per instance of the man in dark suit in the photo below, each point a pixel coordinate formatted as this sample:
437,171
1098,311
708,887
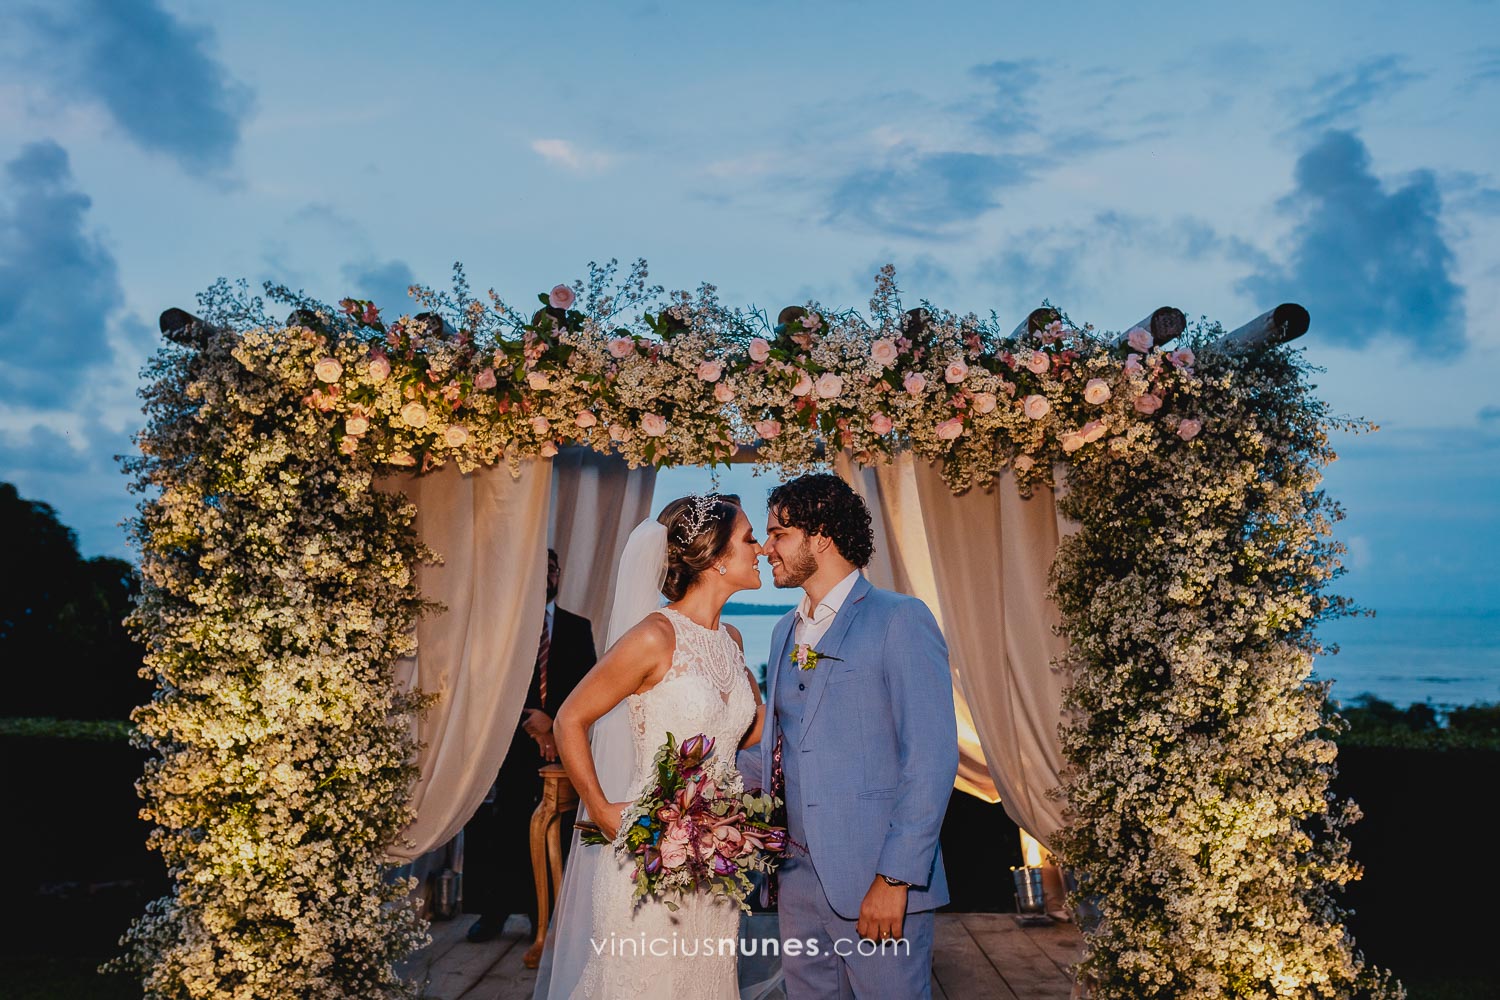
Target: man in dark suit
497,854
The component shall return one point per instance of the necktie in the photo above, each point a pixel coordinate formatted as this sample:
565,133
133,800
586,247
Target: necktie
543,652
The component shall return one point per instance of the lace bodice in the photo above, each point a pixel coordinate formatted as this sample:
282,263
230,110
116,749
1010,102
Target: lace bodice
706,690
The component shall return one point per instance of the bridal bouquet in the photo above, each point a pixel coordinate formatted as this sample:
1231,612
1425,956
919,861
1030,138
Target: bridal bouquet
694,827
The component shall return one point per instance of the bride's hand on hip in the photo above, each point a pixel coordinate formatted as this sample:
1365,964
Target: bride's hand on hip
609,818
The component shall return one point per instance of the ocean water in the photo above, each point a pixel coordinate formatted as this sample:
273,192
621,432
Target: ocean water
1400,656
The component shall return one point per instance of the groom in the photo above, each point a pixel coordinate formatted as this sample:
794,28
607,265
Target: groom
862,744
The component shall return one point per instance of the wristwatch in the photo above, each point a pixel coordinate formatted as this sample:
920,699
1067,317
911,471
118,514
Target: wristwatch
894,882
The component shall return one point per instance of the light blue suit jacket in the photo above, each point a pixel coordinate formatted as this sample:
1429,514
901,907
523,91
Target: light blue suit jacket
881,748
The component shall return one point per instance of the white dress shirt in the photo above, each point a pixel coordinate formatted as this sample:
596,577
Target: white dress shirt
813,624
547,619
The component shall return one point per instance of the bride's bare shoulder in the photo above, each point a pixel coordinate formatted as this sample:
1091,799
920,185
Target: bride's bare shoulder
649,638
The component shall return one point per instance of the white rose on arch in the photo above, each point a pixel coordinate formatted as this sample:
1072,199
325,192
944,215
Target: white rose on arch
1096,391
829,385
884,352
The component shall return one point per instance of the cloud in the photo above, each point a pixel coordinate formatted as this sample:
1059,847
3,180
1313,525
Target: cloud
75,471
568,155
59,285
382,282
927,194
152,73
1010,112
1365,260
1337,97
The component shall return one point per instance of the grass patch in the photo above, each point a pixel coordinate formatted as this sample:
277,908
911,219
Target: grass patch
92,730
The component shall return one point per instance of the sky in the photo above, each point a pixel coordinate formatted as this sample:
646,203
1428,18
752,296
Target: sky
1110,158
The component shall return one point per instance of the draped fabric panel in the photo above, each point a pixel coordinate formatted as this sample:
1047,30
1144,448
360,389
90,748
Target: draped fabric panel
992,555
477,657
596,501
902,563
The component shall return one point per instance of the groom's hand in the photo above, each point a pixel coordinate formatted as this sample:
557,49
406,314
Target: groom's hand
883,911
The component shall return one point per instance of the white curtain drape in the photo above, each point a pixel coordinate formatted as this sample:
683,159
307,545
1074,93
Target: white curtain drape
992,556
596,501
490,529
903,563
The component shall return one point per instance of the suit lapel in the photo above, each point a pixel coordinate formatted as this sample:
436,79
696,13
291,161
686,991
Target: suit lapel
831,642
780,650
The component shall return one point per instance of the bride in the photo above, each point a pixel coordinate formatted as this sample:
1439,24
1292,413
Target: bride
674,669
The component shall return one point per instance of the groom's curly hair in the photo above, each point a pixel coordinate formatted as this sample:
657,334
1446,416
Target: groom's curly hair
823,504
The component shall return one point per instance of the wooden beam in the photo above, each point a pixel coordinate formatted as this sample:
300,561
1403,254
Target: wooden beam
1286,322
1035,320
182,327
1165,324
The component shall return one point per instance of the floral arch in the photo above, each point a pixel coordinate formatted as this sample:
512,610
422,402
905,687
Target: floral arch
279,588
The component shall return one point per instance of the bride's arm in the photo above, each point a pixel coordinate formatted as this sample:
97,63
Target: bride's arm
752,738
632,663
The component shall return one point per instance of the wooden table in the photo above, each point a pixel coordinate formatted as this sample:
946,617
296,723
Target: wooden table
558,796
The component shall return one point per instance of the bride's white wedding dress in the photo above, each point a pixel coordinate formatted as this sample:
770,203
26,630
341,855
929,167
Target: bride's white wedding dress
706,690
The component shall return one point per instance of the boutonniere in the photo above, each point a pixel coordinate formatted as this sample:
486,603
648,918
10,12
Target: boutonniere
804,657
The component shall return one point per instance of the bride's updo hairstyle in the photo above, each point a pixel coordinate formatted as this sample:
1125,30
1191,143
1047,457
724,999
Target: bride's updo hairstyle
699,530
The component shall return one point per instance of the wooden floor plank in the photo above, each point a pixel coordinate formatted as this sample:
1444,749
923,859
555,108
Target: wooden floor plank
1061,942
960,966
1024,967
507,979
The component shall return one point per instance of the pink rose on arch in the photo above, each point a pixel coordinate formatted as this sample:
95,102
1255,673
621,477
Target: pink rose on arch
1147,403
1182,357
914,383
1140,339
768,429
985,402
804,385
1091,431
328,369
1133,364
760,350
618,432
881,424
884,352
654,424
585,419
456,435
1036,406
348,445
414,414
956,372
1038,363
621,347
380,369
1096,391
540,425
1024,463
949,429
723,393
811,321
402,458
538,380
549,449
1189,428
829,385
561,297
485,379
1072,442
709,371
355,426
